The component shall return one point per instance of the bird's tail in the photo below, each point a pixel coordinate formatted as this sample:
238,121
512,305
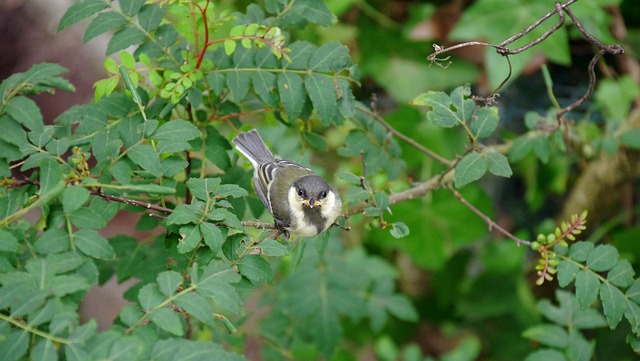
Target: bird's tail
251,145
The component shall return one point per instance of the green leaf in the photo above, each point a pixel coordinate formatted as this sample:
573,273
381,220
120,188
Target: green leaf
548,335
621,274
150,297
15,345
176,130
150,16
184,214
201,188
316,12
131,7
239,83
399,230
230,190
8,243
630,138
485,122
322,93
579,251
74,197
602,258
587,286
67,284
264,84
50,175
331,56
73,352
44,350
546,355
292,94
93,244
301,52
212,236
216,282
632,314
167,320
471,168
613,304
256,269
146,157
498,164
125,38
229,46
168,282
147,188
103,23
189,238
80,11
24,111
197,306
566,272
273,248
634,291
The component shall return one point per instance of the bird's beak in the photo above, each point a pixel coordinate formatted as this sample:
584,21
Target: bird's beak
311,202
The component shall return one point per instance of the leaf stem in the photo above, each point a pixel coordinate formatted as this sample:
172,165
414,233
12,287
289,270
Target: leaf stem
35,331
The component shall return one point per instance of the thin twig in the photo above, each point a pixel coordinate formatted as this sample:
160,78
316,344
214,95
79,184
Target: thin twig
132,202
403,137
487,219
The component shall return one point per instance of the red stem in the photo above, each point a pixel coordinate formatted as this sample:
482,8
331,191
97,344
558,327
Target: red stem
206,33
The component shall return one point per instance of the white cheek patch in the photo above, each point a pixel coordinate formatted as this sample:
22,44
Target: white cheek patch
298,225
331,208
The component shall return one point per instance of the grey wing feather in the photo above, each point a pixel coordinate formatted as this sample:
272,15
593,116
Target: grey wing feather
252,146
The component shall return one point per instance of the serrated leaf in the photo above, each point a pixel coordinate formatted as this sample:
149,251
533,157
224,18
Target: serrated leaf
176,130
634,291
212,236
197,306
322,93
484,122
124,38
50,175
331,56
441,112
499,164
146,157
44,350
613,304
301,52
273,248
587,287
150,16
471,168
292,95
202,188
632,314
239,82
184,214
102,23
548,335
256,269
131,7
93,244
15,345
150,297
8,243
25,111
579,251
167,320
602,258
264,84
80,11
168,282
67,284
621,274
74,197
566,272
230,190
316,12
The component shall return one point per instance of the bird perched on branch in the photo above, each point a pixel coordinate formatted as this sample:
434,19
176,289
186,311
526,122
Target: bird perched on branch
300,201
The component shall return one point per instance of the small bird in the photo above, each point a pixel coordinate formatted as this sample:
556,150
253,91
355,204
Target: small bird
300,201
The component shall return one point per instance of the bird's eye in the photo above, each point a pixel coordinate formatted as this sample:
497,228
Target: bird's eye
300,192
323,195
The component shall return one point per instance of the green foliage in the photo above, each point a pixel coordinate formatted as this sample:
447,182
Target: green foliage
155,140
